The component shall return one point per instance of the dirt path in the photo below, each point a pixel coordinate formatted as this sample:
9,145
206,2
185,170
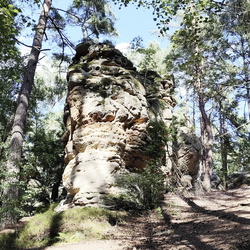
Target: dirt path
218,220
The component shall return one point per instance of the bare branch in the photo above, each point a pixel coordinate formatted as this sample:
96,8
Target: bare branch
29,46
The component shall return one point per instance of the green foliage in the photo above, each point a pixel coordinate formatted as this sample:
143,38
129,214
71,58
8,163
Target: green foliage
8,28
148,62
158,136
137,43
11,69
37,232
94,18
144,189
213,46
147,59
43,160
7,241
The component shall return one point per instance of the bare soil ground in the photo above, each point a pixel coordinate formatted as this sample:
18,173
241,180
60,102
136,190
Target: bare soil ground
219,220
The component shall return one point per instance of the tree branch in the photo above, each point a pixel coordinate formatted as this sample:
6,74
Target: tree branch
29,46
65,11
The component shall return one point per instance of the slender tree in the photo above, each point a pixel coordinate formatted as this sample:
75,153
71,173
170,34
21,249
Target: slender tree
11,190
223,142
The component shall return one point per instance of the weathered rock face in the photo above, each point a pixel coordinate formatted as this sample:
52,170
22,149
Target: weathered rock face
188,151
107,112
187,154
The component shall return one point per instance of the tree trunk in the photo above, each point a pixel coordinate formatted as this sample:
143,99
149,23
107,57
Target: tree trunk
193,111
248,99
206,129
207,145
187,116
13,168
223,145
244,54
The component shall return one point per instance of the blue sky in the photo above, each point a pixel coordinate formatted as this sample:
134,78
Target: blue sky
131,22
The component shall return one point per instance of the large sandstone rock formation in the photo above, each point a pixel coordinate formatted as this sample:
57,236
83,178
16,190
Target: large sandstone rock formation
108,109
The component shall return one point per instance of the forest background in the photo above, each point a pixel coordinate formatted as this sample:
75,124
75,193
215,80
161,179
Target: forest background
203,44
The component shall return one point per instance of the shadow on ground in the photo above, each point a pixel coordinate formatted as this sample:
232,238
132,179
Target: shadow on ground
191,226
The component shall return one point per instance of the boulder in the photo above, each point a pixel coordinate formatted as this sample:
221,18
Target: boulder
238,179
216,181
186,156
187,151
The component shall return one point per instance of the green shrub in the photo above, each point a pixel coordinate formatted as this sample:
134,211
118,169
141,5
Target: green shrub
158,136
145,189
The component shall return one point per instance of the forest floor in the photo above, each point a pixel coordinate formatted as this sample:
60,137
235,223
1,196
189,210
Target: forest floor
217,220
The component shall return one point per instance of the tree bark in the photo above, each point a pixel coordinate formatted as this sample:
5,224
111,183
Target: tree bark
244,54
193,111
248,98
207,145
223,144
206,129
187,116
17,136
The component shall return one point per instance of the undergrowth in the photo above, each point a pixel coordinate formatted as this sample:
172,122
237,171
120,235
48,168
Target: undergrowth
143,191
73,225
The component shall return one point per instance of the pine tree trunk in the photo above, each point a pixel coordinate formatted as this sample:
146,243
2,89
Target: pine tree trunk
223,145
12,180
207,145
248,99
206,129
194,110
244,54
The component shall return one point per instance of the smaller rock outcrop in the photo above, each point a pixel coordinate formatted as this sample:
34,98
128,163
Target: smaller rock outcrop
186,155
236,180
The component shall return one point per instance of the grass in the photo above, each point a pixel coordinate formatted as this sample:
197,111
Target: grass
73,225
